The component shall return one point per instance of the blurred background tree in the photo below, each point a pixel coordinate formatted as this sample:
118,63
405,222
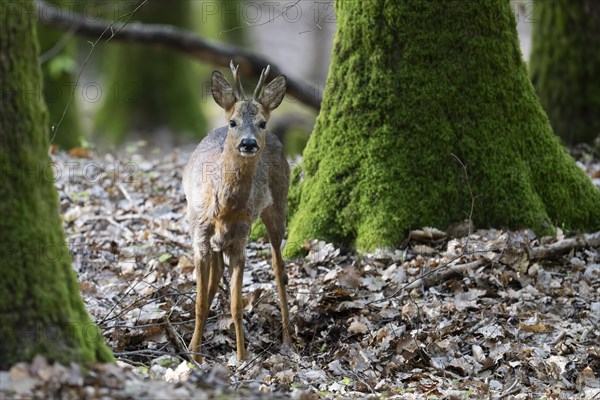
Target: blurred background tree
565,66
232,25
151,92
59,70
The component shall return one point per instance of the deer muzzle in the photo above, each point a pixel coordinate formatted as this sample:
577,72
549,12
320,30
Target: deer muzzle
248,147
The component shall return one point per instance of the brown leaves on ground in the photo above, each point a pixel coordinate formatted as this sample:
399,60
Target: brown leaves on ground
476,316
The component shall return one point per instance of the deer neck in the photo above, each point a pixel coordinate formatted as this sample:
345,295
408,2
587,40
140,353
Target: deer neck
237,182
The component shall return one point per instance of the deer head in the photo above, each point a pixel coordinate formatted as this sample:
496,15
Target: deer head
247,118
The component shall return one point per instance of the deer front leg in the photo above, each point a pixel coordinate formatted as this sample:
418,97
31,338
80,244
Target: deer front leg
236,268
202,262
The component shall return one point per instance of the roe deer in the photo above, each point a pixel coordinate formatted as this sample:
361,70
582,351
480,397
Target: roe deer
237,173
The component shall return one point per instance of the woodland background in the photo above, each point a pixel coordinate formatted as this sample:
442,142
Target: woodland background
453,311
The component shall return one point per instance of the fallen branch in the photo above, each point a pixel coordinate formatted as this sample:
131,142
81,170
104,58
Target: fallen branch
443,273
174,39
557,249
545,252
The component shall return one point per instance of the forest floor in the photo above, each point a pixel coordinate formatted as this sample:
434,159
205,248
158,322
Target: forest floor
489,315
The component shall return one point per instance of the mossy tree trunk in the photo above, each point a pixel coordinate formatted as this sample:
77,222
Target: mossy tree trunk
414,87
148,90
565,65
59,72
41,310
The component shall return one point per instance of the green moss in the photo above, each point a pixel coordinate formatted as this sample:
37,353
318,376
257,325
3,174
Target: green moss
147,90
258,231
41,310
412,87
564,66
59,76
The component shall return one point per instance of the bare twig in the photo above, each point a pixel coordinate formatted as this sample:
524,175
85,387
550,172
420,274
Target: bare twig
126,194
173,240
175,338
111,221
464,167
58,46
557,249
151,352
174,39
133,216
514,388
322,19
131,287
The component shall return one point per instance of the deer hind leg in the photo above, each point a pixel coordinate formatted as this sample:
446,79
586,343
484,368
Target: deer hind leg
202,264
275,224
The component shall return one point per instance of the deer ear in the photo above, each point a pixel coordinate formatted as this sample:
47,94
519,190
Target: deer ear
273,93
222,91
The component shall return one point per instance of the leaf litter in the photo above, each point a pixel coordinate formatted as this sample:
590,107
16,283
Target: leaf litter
489,314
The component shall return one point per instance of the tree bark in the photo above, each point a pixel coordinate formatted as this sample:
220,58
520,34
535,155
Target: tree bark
41,310
415,91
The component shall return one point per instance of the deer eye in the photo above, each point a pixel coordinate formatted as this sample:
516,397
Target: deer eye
262,124
232,123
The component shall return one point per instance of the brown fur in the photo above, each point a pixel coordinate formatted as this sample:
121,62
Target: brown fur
226,192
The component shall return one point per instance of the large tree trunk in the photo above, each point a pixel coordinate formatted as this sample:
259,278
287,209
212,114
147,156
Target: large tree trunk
565,65
148,91
413,88
41,310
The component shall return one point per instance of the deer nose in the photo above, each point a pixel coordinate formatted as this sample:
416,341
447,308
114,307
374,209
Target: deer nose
248,145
